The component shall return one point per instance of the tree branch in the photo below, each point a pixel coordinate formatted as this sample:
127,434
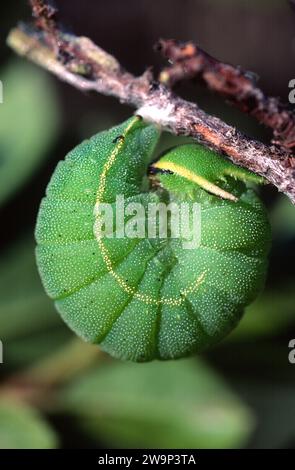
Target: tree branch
79,62
239,87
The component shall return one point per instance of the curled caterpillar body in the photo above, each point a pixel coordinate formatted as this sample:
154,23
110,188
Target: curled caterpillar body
150,297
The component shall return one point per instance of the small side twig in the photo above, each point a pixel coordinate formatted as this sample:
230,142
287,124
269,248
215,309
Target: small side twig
78,61
188,61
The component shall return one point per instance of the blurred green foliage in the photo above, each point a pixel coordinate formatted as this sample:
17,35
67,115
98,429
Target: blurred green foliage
22,427
283,219
177,404
28,126
24,306
271,314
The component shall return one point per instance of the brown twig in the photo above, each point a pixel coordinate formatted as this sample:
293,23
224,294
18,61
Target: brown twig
239,87
78,61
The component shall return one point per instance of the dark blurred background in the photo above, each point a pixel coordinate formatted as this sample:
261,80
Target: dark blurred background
240,394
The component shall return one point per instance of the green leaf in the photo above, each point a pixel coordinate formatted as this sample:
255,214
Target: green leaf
21,427
270,314
177,404
24,307
23,351
28,125
283,218
276,427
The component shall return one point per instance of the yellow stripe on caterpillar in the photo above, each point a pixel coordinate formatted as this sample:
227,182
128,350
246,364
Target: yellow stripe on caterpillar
194,178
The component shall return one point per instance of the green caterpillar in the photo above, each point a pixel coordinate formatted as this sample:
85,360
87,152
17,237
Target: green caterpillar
144,298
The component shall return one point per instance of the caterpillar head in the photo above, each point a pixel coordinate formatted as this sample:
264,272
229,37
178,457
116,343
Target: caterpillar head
188,167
